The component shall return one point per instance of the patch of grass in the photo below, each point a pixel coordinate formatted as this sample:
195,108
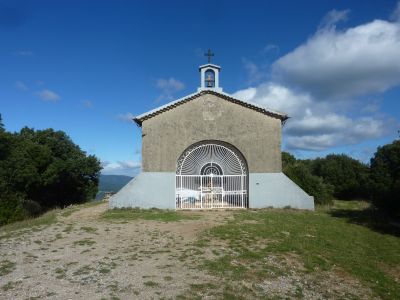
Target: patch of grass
362,213
89,229
147,214
10,285
353,205
67,211
85,270
6,267
44,220
61,273
84,242
68,228
113,287
151,283
202,287
106,267
168,278
104,270
321,242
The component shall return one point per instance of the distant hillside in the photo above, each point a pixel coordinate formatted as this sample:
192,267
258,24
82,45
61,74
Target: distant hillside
113,183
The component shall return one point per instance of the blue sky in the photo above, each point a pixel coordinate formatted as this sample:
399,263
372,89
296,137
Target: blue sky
86,67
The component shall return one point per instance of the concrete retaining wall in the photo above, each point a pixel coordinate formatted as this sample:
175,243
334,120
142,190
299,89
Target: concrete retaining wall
147,190
157,189
277,190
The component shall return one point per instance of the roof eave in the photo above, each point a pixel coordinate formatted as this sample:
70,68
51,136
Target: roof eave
139,119
209,65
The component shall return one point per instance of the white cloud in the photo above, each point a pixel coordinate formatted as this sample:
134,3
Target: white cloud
276,97
335,64
88,104
171,84
332,18
128,117
314,125
396,13
48,95
309,124
127,167
271,48
255,74
23,53
326,131
168,87
20,86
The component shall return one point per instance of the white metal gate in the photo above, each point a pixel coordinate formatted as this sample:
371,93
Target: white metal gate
211,176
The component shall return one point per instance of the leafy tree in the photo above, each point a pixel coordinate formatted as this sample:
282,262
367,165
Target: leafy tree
300,172
11,208
348,176
1,124
385,176
43,169
287,160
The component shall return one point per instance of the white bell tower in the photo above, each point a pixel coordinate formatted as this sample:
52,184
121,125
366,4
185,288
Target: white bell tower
209,75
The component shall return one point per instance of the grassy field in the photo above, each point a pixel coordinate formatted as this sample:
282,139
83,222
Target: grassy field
147,214
326,240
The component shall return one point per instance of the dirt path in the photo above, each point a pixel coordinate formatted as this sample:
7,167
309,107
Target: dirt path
88,213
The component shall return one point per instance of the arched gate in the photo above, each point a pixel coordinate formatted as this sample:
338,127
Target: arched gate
211,175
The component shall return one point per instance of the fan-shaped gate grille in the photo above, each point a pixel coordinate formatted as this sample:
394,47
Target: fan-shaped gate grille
211,175
193,160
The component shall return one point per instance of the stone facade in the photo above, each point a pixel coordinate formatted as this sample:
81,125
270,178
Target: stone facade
209,117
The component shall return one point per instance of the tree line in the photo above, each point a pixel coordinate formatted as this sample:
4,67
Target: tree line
345,178
40,170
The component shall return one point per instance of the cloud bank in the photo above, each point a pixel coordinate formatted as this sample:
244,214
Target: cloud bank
322,83
127,117
360,60
127,167
20,86
48,95
168,88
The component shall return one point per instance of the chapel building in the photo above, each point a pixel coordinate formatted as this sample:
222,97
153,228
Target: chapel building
210,150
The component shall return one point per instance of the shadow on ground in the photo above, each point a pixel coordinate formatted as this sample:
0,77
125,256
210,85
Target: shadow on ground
370,218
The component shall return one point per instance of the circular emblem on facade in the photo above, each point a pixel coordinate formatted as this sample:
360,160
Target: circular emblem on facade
211,110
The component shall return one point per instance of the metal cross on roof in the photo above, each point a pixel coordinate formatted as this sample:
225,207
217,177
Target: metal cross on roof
209,54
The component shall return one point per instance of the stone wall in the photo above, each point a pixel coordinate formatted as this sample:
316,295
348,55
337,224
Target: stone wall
209,117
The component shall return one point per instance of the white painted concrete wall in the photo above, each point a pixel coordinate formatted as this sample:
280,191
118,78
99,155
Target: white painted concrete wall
157,189
277,190
147,190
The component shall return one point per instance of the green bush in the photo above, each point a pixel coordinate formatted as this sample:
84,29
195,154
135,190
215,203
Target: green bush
348,176
311,184
11,208
385,176
43,169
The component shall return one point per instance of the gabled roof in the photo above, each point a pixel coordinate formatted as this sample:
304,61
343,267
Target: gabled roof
209,65
171,105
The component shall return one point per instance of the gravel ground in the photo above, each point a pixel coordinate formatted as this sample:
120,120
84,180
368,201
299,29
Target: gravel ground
85,257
